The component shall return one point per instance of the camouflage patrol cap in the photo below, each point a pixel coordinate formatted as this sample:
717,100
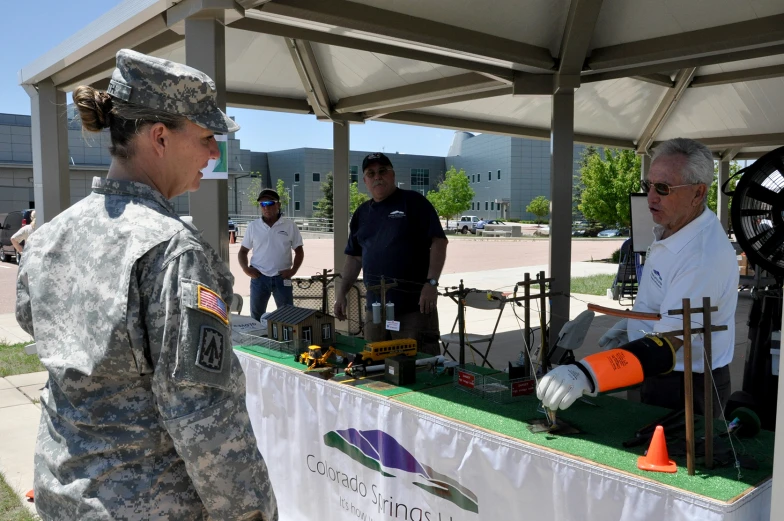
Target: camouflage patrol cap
169,87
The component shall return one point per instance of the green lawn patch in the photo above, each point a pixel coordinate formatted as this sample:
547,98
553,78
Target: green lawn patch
13,360
11,509
592,285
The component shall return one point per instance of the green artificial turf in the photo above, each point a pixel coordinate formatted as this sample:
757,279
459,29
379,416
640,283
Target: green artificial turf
604,428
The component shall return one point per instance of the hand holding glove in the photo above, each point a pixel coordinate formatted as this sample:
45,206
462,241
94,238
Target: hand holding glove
616,336
562,386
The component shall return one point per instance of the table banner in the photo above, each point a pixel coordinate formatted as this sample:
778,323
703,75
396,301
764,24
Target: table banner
338,453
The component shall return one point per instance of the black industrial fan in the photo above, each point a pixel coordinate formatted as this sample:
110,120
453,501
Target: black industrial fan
758,212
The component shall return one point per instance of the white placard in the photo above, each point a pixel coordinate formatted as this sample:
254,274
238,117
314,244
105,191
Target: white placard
393,325
219,168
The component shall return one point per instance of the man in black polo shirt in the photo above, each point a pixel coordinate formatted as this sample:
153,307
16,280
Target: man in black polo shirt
396,234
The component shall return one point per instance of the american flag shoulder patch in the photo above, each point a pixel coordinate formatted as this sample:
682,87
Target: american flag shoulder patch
210,302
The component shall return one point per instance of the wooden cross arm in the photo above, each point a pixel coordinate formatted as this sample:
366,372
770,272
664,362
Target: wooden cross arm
624,313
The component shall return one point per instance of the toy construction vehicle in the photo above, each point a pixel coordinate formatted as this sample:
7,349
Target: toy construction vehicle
313,357
376,352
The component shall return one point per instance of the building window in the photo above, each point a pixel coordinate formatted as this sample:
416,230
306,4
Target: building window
296,206
275,331
499,174
473,178
296,177
489,176
486,205
472,205
307,334
316,177
315,205
420,177
326,332
354,173
492,205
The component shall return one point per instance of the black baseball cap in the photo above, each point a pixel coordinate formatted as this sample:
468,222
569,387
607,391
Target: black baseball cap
269,193
375,157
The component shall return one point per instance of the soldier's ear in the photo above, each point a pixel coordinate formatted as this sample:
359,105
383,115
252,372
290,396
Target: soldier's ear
158,135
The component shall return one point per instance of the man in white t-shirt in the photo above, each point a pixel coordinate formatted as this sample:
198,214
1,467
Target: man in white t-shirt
271,239
690,258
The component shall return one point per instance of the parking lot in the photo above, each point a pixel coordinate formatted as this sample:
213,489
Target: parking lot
463,255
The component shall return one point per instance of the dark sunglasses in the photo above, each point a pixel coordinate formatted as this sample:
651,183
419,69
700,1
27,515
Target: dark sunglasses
661,188
267,204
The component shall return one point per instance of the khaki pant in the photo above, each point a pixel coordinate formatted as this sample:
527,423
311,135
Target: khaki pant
420,326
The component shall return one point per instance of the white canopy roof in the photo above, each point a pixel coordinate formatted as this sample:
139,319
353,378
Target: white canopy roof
647,70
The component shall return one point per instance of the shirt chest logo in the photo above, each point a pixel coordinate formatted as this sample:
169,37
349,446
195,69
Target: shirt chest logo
656,278
283,232
397,214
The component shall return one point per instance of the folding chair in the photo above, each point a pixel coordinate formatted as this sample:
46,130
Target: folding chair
236,304
625,283
487,300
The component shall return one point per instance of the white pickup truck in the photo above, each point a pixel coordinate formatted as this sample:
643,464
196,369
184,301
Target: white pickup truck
465,224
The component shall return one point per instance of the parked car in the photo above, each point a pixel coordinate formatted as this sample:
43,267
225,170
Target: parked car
10,223
542,231
611,232
586,231
496,221
232,226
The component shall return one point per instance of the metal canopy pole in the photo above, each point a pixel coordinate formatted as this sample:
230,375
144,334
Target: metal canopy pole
205,49
340,180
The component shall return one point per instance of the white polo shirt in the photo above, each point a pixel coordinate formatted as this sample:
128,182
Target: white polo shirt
697,261
271,246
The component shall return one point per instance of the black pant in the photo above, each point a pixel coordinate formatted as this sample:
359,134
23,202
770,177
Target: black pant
667,390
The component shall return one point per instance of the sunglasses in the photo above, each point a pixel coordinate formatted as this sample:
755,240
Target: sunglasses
661,188
267,204
381,171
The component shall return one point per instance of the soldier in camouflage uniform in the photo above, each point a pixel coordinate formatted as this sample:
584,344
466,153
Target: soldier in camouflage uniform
144,415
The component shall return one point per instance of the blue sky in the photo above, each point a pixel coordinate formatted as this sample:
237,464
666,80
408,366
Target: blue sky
32,28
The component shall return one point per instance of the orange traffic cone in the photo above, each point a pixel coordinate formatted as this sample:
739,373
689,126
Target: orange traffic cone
30,495
232,238
657,459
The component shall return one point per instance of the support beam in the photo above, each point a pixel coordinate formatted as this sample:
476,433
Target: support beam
637,70
501,91
752,34
390,24
532,85
577,35
310,75
205,50
753,140
437,121
663,80
723,78
729,154
645,166
244,100
561,183
723,201
50,150
340,173
425,91
665,108
289,31
777,492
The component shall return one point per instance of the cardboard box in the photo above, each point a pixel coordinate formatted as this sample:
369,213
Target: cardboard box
744,269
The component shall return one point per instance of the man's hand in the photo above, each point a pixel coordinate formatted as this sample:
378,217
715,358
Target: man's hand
428,299
340,307
616,336
252,272
287,274
562,386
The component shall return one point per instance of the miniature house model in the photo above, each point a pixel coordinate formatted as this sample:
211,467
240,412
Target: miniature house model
304,327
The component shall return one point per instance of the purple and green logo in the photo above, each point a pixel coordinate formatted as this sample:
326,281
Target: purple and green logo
379,451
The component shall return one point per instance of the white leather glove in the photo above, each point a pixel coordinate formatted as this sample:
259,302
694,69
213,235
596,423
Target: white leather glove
616,336
562,386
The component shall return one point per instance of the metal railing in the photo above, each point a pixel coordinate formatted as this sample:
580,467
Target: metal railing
305,224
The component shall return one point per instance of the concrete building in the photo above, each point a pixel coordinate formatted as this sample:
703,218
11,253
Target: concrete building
505,172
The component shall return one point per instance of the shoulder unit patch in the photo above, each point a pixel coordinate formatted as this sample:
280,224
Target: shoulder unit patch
212,343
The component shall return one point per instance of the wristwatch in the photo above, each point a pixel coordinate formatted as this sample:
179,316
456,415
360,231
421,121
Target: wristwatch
433,282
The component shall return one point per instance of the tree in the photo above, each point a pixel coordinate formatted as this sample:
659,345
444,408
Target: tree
254,188
608,183
325,204
280,187
714,187
355,197
577,182
453,196
540,207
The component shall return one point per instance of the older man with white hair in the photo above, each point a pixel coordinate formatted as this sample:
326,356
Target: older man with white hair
690,258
